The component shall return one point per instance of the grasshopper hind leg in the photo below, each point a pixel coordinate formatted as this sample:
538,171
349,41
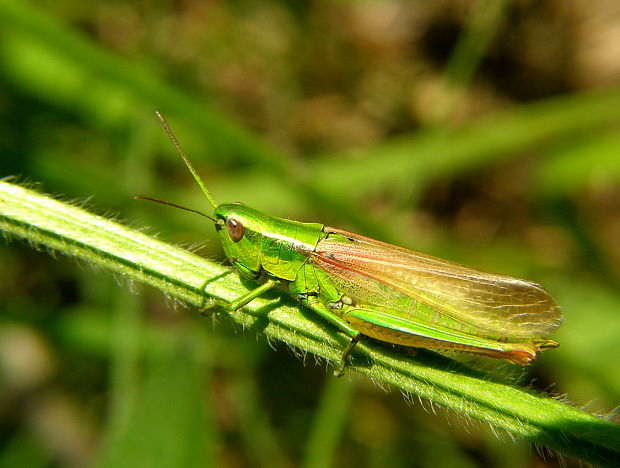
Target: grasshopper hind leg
344,358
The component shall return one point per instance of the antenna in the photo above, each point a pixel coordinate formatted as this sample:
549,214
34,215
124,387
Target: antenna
164,202
202,185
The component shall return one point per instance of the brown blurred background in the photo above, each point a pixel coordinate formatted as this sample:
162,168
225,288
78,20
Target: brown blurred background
484,132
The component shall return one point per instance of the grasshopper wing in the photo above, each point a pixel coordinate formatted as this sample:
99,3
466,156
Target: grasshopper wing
487,304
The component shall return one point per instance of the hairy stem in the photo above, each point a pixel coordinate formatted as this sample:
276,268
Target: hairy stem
47,223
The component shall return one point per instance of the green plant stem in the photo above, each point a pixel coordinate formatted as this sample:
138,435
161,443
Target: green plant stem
47,223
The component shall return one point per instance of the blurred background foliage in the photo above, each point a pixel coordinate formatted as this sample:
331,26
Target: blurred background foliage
485,132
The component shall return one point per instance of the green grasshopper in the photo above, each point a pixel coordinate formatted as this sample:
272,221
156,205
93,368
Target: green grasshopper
367,287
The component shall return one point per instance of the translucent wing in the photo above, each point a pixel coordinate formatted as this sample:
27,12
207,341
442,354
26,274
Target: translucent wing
493,305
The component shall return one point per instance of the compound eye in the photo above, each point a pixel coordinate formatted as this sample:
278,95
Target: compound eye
235,229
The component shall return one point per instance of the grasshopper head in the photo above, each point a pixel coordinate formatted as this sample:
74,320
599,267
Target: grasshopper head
239,228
